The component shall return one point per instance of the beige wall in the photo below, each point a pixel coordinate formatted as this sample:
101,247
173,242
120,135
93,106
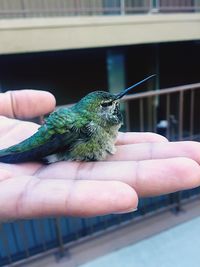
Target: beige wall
45,34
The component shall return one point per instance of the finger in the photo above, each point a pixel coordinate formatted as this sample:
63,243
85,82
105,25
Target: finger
26,103
125,153
32,197
148,178
161,150
157,177
134,138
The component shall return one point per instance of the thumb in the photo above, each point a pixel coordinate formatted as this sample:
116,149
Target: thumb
26,103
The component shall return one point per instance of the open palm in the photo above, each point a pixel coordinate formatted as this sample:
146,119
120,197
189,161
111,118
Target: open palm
145,164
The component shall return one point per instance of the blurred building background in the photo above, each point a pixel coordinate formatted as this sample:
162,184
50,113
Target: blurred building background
73,47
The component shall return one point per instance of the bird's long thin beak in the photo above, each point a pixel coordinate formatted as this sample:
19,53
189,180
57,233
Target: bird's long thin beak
123,93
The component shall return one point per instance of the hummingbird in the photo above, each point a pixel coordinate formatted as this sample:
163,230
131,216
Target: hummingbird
86,131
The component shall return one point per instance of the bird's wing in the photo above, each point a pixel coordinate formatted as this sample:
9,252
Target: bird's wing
56,134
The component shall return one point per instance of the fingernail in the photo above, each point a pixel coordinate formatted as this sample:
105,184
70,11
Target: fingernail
125,211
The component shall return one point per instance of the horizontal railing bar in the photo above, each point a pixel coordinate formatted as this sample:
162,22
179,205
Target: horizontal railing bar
162,91
178,7
82,8
62,10
77,11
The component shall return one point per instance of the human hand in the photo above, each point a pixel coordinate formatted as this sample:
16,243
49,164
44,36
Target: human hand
145,165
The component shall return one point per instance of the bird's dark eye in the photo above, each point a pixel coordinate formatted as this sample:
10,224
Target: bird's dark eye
106,104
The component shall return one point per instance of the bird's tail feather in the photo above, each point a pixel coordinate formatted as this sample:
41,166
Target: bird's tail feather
30,149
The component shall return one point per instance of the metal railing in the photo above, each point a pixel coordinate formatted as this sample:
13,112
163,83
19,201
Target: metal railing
171,111
179,108
56,8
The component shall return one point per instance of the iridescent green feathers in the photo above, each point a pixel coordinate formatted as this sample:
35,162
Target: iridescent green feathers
56,135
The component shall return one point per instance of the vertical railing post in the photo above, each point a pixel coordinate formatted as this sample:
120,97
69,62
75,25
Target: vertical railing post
1,88
141,112
168,115
155,6
177,195
5,243
158,4
151,5
23,8
180,120
191,114
59,237
24,237
127,116
122,7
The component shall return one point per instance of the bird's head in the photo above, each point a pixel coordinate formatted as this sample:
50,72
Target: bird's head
105,105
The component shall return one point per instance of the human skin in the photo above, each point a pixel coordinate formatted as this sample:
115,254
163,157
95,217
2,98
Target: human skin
145,164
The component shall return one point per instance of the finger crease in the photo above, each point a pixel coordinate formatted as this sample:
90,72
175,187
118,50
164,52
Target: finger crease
151,150
83,170
137,170
71,189
22,196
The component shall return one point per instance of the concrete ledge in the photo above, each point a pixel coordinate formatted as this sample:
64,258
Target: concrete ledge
47,34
